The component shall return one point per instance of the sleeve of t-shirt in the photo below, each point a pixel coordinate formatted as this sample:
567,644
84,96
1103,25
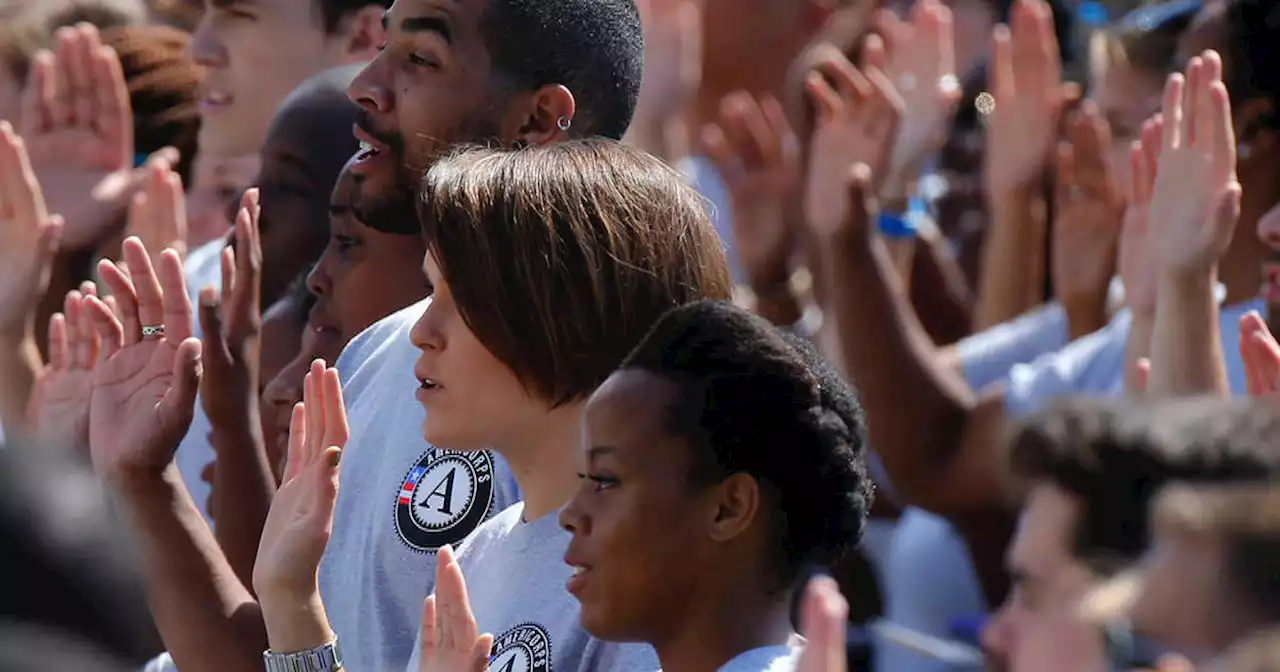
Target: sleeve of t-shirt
601,656
1090,365
988,356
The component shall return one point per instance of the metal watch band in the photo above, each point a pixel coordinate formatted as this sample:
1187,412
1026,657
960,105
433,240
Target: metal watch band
327,658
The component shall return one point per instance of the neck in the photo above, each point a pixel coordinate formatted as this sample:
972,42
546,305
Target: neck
1240,270
715,630
544,460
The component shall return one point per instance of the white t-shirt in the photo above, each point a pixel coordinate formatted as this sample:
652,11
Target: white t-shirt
516,580
401,499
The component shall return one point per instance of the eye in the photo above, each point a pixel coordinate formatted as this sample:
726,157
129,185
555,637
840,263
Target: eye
422,61
600,481
346,243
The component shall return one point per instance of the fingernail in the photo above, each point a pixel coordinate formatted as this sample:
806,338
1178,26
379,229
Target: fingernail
335,457
209,297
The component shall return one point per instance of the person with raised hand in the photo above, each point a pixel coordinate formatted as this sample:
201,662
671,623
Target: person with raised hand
1087,218
59,409
29,238
1029,99
920,62
1261,355
231,328
1136,258
157,211
672,73
78,124
755,150
824,622
1194,207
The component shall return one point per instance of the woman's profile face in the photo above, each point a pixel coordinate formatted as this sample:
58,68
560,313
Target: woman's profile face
1126,97
638,520
473,400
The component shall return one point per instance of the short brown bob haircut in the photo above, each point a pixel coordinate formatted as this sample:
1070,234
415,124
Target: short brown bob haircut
561,258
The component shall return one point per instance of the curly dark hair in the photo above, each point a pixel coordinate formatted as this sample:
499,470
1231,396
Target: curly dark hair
753,399
1115,456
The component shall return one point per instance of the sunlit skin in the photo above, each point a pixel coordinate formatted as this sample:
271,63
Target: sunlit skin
214,192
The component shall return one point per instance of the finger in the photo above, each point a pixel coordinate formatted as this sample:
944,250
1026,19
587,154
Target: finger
720,152
179,402
58,349
62,108
874,54
179,318
324,487
1065,184
72,307
1190,107
210,315
826,102
37,95
114,120
1137,183
126,298
337,431
859,190
315,411
823,617
1210,73
459,623
93,343
171,209
1048,58
1144,373
21,190
852,84
480,653
1027,55
1171,111
108,326
84,82
249,262
743,124
1222,130
1227,214
151,306
430,633
297,442
1001,67
228,266
1151,144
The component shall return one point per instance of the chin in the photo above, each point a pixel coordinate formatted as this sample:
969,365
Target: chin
603,625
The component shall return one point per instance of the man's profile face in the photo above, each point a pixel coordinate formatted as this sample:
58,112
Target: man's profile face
255,52
1039,627
427,90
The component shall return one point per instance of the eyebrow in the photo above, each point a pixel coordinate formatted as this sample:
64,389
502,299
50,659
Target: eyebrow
422,24
599,451
338,209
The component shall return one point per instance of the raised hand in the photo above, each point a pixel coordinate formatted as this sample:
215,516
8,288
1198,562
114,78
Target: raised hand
1088,212
78,125
857,123
1261,356
232,322
301,519
28,237
672,74
158,213
756,151
59,407
1196,198
144,390
1137,260
1026,80
920,61
451,639
824,616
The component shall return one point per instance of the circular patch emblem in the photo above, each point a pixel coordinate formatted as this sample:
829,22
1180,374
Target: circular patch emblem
524,648
445,495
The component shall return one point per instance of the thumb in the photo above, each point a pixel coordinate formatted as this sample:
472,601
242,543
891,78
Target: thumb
210,314
50,237
1143,373
480,653
186,377
859,191
169,155
1226,215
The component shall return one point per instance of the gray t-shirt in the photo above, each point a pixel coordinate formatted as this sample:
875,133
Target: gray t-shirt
401,499
516,579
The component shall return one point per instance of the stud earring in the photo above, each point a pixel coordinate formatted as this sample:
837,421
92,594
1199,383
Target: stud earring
564,124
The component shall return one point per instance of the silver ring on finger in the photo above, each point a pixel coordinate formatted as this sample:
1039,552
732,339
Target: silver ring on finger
156,331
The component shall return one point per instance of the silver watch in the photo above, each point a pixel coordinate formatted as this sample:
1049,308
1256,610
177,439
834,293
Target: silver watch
327,658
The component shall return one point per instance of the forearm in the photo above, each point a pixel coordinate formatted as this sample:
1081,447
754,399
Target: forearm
1186,341
207,618
246,485
19,366
1012,271
939,292
916,408
1086,313
296,623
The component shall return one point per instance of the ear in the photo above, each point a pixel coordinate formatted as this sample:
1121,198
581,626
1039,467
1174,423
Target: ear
735,503
362,33
546,116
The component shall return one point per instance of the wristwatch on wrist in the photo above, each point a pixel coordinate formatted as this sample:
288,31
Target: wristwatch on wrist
327,658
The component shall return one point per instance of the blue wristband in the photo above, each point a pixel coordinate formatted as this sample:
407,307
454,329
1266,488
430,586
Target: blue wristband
893,225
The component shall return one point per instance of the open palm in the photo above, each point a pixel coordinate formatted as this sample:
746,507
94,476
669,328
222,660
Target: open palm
28,235
1196,197
451,639
59,407
1136,261
78,124
298,526
145,387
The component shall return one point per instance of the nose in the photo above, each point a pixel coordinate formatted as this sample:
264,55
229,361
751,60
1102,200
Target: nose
572,518
369,89
318,280
285,389
206,49
995,635
425,334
